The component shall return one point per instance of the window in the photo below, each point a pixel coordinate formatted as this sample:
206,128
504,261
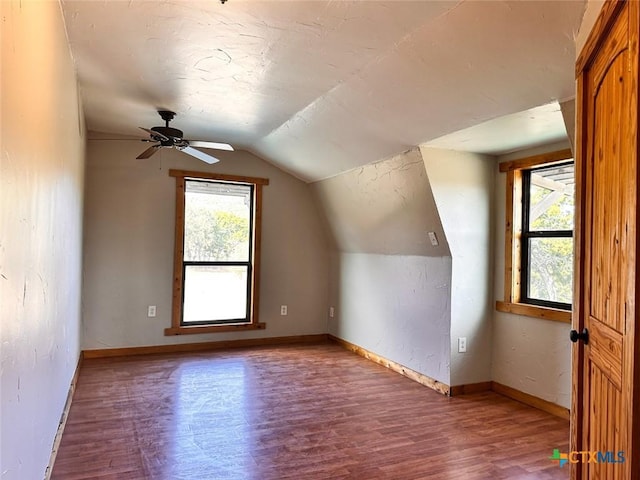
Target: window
547,231
217,252
539,236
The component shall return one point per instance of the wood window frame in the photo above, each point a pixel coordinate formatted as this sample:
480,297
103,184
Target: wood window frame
513,237
176,316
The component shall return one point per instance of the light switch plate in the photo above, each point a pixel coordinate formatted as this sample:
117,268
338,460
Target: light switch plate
433,238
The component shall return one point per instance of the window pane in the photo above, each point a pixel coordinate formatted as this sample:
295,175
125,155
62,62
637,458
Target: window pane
551,269
551,198
214,293
216,221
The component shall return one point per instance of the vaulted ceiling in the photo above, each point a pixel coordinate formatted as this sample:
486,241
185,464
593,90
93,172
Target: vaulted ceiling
321,87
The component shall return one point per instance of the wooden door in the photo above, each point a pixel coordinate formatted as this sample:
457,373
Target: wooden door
604,417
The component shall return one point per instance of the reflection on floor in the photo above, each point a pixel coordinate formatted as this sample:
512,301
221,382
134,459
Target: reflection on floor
303,412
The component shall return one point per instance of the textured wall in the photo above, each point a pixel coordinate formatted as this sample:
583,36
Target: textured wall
128,247
41,176
386,208
390,286
533,356
397,306
462,185
569,116
529,354
589,18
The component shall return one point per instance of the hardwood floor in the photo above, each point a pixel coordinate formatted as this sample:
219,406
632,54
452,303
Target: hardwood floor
303,412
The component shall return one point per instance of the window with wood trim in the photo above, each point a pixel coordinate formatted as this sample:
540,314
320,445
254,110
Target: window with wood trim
217,253
538,277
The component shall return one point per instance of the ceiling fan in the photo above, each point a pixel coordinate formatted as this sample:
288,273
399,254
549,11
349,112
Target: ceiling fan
169,137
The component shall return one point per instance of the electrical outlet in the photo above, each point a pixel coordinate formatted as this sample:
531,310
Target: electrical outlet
283,309
332,312
462,344
151,311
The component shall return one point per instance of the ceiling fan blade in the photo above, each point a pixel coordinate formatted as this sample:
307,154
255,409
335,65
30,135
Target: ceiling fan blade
155,135
199,155
149,151
217,146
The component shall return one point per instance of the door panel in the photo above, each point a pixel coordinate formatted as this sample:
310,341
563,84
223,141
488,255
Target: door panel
608,204
603,417
605,351
606,238
606,268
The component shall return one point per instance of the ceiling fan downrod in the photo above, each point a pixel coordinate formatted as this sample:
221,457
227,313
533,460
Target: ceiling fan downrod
167,116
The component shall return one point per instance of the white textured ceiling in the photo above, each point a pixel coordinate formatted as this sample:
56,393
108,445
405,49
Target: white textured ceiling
534,127
319,87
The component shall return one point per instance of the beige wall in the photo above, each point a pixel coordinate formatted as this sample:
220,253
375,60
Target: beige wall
386,208
41,177
529,354
588,20
568,109
462,185
397,306
128,247
390,286
395,293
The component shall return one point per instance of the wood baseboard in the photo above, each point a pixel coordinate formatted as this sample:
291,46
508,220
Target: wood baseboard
203,346
391,365
456,390
531,400
63,419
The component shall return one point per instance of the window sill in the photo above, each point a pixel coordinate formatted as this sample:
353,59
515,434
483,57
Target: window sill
545,313
213,329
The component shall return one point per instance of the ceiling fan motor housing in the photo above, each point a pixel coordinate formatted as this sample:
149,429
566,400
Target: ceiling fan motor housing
172,137
172,133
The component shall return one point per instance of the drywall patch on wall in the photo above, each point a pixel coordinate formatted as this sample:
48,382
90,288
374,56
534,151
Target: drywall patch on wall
462,185
383,208
128,247
41,195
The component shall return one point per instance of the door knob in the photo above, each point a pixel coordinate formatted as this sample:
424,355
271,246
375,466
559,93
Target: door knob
574,336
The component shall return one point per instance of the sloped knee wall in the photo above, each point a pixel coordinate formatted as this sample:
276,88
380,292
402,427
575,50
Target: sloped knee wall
391,287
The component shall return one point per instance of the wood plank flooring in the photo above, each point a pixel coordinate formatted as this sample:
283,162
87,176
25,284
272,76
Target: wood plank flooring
304,412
